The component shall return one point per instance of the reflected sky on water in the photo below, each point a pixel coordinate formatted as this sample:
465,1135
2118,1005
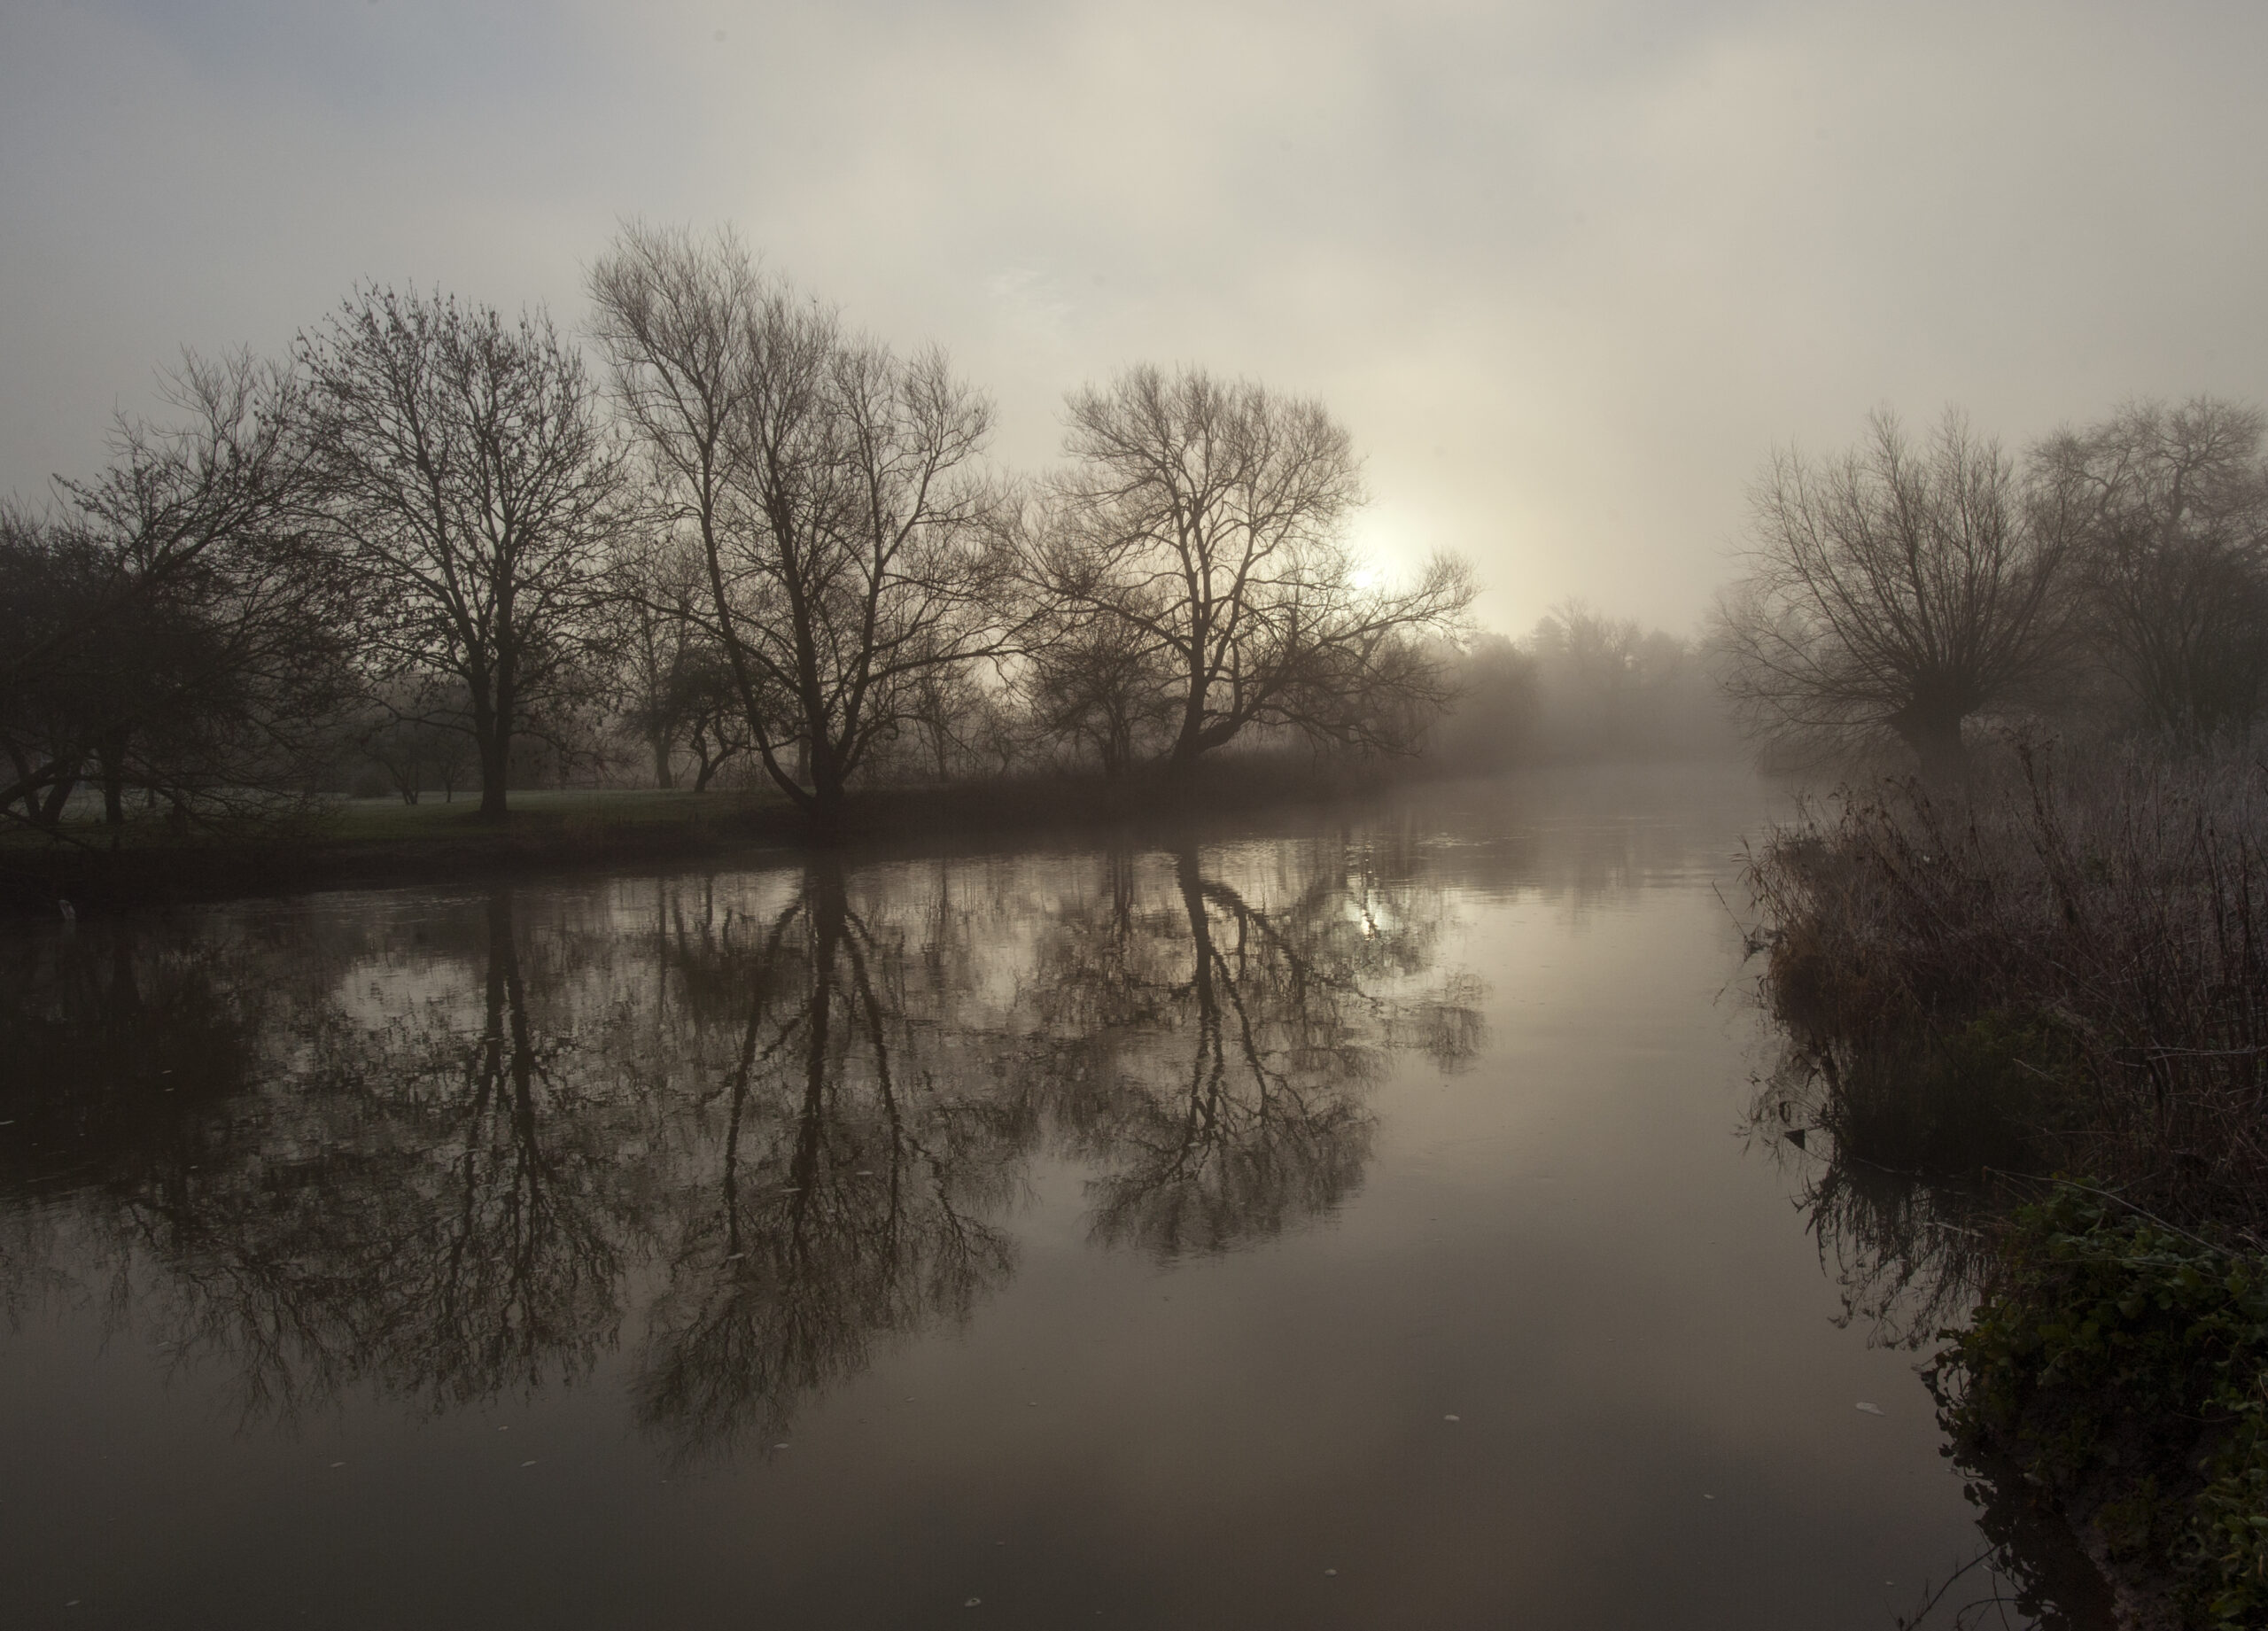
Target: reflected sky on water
1341,1218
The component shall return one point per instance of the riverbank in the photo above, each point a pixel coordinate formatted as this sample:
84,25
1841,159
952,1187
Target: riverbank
2121,1365
368,843
2029,978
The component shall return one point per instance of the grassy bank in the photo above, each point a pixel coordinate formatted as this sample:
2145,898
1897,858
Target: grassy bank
371,842
2048,973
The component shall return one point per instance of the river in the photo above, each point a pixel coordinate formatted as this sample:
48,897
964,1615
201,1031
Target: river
1362,1219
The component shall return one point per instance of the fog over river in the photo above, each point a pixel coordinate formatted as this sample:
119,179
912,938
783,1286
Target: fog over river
1378,1217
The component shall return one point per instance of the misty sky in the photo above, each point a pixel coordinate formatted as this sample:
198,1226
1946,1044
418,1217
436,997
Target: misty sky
1567,270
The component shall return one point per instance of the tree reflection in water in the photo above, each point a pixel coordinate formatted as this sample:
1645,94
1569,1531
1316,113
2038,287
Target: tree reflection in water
1211,1053
1898,1238
850,1185
1899,1218
451,1150
418,1199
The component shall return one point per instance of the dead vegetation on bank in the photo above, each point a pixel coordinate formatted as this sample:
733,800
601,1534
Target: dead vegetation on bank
2070,955
2056,970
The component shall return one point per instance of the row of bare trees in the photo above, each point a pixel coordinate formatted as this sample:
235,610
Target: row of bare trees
1909,587
407,523
750,533
843,563
171,627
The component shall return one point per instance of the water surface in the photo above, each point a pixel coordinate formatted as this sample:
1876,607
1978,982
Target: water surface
1340,1219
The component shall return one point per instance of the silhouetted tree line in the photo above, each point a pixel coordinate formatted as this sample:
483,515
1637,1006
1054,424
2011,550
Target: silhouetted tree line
2113,580
431,545
174,629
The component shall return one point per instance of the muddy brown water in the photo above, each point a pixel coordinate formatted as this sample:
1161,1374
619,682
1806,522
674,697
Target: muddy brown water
1342,1218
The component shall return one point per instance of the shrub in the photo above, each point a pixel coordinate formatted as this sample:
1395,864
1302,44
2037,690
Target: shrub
2125,1364
2092,958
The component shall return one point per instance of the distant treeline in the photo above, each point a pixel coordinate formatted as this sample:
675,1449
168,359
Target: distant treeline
2112,582
1581,685
429,551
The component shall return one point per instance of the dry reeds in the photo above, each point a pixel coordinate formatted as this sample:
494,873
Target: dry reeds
2081,944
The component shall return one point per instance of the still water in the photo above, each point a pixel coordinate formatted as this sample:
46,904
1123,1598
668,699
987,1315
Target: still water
1344,1218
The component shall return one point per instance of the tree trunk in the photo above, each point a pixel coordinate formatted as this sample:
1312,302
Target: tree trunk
828,784
49,812
1188,742
827,807
1934,734
664,773
112,757
495,767
495,741
491,728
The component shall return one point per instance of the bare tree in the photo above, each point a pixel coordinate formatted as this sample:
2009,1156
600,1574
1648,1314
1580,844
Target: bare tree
415,753
1102,680
465,468
1897,586
172,626
677,319
2167,509
1209,517
831,488
659,590
947,711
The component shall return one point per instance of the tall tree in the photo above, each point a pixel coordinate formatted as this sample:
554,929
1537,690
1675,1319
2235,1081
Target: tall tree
831,487
670,680
1899,587
2167,511
464,465
1207,517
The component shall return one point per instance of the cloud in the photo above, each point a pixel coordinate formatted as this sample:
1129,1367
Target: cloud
1567,270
